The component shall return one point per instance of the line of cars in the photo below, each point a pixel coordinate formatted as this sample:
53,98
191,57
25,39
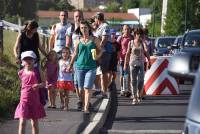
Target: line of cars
184,65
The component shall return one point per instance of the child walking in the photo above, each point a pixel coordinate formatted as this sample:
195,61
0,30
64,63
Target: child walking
29,106
51,71
65,79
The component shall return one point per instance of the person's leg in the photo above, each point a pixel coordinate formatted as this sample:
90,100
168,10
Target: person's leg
86,99
35,127
49,97
134,75
66,99
140,82
80,80
121,68
88,84
54,93
61,98
97,84
22,126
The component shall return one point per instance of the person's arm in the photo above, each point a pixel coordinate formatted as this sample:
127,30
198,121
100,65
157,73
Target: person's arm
98,48
52,37
127,57
146,53
74,54
16,48
68,40
41,48
69,36
103,41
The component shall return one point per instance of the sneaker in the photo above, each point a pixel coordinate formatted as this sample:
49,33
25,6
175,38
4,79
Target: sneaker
134,101
96,93
122,93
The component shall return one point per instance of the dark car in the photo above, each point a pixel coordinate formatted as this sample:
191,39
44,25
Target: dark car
163,45
192,122
184,65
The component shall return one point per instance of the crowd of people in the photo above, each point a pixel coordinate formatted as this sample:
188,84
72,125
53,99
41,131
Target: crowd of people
83,56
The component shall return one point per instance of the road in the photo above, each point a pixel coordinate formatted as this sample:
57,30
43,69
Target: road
154,115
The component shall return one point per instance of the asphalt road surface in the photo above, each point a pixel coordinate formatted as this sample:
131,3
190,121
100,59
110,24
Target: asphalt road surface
154,115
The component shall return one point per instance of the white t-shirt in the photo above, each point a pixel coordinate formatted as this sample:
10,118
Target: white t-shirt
102,30
60,32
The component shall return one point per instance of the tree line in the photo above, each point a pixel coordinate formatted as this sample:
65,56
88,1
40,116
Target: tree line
181,14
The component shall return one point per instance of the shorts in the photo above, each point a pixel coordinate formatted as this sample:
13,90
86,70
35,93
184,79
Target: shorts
113,63
121,68
98,72
85,78
67,85
104,62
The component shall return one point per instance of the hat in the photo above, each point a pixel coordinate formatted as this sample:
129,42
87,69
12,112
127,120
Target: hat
28,54
112,31
99,16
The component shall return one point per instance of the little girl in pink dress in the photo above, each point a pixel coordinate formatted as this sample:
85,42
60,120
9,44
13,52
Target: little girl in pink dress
29,106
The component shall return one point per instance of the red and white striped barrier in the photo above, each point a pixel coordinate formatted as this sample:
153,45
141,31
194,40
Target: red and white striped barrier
157,81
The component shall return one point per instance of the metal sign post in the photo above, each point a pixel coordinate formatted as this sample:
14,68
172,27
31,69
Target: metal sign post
1,37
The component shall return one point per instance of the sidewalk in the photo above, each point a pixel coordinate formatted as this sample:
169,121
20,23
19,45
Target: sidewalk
66,122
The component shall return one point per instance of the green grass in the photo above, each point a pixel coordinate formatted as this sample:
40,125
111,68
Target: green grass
9,42
9,82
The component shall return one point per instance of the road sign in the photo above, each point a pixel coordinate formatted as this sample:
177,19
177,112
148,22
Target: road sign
157,80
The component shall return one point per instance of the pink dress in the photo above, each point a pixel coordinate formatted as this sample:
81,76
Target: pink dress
29,106
52,74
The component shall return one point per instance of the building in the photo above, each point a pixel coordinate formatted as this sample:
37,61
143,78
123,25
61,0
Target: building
143,14
114,19
82,4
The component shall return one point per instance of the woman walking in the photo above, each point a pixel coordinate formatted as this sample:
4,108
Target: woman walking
136,51
87,51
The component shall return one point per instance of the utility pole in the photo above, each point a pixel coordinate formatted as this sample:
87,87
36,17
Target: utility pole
1,37
164,13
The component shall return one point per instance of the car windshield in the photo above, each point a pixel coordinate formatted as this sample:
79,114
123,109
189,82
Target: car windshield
165,42
178,40
192,40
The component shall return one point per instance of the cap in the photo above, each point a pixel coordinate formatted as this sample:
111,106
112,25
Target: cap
28,54
112,31
99,16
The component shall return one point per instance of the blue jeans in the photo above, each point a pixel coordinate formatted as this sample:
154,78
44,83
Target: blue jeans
85,78
137,79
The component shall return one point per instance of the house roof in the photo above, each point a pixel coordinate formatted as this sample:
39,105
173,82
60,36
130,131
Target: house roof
88,15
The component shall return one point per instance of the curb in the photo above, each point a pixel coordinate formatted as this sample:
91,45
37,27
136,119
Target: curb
99,119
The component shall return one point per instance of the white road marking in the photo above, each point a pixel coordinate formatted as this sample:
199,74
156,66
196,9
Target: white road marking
145,131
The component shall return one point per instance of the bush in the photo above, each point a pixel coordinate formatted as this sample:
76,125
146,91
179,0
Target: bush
9,88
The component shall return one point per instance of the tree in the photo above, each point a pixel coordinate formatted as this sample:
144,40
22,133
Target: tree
175,19
174,22
64,5
23,8
127,4
113,7
156,6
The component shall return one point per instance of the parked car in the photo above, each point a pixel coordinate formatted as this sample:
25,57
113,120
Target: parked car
192,122
176,45
163,45
184,65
